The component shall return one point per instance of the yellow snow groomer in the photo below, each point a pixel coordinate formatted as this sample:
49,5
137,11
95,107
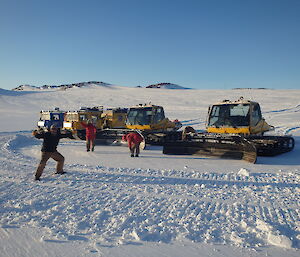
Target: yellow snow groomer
235,129
151,121
150,117
237,117
114,118
73,120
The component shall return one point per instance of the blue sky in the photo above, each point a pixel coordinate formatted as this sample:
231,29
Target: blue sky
212,44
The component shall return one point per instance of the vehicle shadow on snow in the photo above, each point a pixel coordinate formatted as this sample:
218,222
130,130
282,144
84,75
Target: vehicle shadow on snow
283,160
183,157
290,158
55,241
77,238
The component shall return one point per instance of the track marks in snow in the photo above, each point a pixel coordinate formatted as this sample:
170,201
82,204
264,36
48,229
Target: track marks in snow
146,213
291,130
192,122
292,109
111,205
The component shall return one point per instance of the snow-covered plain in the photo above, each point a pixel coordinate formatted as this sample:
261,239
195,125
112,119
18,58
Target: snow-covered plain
112,205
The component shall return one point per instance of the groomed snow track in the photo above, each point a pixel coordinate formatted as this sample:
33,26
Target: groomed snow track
107,205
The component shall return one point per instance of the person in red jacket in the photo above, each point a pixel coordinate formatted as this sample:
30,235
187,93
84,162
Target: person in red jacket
90,131
134,140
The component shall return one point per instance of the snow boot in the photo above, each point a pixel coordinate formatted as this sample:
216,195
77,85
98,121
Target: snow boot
60,172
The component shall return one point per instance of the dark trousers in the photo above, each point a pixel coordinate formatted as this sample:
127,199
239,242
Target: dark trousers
134,148
90,144
45,157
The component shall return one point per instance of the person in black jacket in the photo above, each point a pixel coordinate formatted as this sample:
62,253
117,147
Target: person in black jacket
51,140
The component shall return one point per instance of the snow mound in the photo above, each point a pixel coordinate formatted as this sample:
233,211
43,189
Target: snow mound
5,92
244,172
279,240
263,226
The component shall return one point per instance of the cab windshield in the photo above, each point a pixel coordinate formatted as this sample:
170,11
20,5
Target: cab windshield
139,116
56,116
45,116
229,115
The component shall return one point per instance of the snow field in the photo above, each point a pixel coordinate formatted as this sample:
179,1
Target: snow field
112,206
155,205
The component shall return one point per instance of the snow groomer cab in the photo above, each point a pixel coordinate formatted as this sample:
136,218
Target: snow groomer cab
49,118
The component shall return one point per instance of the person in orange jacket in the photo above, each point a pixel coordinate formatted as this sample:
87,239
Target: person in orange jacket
90,134
134,140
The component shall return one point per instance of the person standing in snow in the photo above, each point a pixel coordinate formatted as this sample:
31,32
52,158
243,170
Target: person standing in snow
49,150
90,132
134,140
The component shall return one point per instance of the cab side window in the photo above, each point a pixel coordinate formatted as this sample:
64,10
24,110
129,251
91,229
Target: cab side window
82,117
158,115
94,119
256,114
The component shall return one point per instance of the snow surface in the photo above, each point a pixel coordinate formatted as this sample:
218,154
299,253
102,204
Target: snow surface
112,205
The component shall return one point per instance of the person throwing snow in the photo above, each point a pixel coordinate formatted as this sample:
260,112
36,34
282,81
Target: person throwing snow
51,140
134,140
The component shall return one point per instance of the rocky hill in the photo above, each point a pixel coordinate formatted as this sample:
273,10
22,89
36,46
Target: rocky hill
26,87
62,87
166,86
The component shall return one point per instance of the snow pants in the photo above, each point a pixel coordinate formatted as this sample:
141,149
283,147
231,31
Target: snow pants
90,143
134,148
45,157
